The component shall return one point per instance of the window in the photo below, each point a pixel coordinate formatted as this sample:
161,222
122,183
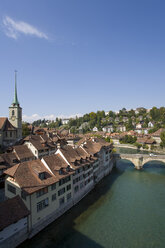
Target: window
42,175
42,204
76,188
81,185
81,177
23,194
61,201
10,134
12,112
68,187
61,191
41,192
54,197
64,180
69,196
11,189
53,186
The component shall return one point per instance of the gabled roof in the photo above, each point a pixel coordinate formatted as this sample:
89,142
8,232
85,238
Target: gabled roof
70,154
94,145
10,158
22,151
158,132
40,142
11,211
8,126
26,174
2,121
57,163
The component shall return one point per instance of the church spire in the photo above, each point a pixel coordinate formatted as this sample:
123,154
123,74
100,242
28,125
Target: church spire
15,102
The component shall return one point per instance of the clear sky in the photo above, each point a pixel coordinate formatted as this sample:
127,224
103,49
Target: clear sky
78,56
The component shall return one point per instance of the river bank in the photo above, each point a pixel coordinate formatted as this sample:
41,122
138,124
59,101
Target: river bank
128,146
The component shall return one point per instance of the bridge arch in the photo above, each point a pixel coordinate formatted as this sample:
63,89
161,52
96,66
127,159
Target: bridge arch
139,160
147,161
128,160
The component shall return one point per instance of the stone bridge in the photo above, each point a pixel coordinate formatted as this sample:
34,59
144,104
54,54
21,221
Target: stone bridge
140,159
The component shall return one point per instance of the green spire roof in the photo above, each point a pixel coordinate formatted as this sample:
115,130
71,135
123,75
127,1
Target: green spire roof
15,102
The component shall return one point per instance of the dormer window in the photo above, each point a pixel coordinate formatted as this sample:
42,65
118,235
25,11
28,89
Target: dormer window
68,169
60,172
42,175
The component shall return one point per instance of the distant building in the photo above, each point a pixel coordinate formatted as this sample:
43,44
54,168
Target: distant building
95,129
11,130
108,129
139,109
121,128
138,126
150,124
65,121
156,135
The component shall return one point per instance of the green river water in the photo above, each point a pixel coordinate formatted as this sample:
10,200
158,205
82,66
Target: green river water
125,210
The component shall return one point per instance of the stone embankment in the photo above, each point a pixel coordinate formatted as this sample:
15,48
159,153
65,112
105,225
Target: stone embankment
158,150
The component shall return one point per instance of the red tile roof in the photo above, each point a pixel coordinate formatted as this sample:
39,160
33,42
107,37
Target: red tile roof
11,211
2,121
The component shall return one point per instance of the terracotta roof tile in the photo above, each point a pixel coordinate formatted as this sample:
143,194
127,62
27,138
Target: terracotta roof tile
2,121
22,151
158,132
11,211
26,174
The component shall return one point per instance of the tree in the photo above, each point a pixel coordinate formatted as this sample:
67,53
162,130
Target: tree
155,114
73,130
129,125
107,139
25,129
162,136
138,145
128,139
111,114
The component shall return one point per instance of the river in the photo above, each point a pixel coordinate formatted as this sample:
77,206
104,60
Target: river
125,210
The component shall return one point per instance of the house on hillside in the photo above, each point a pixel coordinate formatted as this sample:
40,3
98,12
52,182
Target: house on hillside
95,129
156,135
150,124
121,128
108,129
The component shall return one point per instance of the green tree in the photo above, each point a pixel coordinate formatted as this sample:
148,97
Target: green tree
138,145
112,114
129,125
162,136
155,114
25,130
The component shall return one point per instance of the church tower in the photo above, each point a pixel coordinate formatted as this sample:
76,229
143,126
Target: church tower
15,112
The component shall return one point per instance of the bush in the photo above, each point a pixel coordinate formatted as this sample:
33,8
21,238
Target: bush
138,145
114,150
145,146
152,147
128,139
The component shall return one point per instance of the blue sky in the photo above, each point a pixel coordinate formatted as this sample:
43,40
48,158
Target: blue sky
78,56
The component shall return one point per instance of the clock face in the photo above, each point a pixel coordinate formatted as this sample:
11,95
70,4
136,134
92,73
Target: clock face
13,118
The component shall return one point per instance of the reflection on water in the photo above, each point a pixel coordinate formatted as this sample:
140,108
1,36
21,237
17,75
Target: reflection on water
126,210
